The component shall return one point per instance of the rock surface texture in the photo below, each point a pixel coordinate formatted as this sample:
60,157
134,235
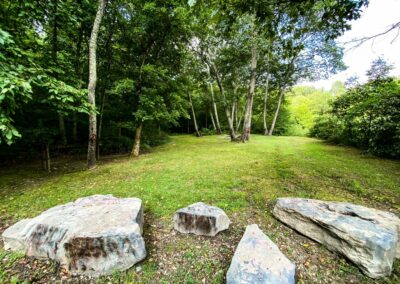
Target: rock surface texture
257,260
95,235
368,237
201,219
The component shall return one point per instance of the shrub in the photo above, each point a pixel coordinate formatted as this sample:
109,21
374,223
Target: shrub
367,116
207,132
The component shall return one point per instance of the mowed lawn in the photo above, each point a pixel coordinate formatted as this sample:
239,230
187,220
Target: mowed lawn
242,179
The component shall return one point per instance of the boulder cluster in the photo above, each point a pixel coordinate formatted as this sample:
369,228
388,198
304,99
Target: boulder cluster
100,234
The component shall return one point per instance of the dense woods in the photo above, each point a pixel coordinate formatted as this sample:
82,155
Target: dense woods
101,77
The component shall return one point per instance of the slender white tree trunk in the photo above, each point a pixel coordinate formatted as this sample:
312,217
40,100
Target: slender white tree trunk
250,96
91,157
194,116
232,132
213,121
265,107
234,106
271,130
239,121
215,109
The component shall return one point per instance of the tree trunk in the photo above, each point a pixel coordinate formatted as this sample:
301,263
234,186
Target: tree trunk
63,133
239,123
54,50
232,132
74,127
271,130
218,126
250,97
103,95
196,129
265,127
91,157
46,157
103,98
236,114
136,143
79,72
212,120
233,114
54,53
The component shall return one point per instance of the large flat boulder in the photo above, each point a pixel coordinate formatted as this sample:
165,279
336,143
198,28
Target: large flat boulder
257,260
95,235
201,219
366,236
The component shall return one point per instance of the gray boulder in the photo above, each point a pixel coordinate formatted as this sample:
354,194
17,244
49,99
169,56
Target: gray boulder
201,219
95,235
367,237
257,260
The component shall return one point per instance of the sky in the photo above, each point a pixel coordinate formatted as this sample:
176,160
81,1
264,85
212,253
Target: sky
376,18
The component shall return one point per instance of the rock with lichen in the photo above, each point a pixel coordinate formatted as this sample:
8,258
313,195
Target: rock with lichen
367,237
201,219
94,235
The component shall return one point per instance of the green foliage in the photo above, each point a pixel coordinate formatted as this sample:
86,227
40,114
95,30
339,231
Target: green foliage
367,116
15,87
305,105
207,132
379,69
22,81
160,97
329,128
152,138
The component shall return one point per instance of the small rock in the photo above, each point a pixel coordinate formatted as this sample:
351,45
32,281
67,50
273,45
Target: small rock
257,260
366,236
201,219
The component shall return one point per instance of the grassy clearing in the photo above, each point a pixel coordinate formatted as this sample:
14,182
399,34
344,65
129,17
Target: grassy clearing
243,179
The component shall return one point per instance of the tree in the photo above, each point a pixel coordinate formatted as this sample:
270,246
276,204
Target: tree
366,116
193,115
216,123
91,157
309,21
352,82
379,69
338,88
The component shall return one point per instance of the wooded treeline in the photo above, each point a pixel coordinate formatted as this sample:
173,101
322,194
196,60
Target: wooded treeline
367,115
130,70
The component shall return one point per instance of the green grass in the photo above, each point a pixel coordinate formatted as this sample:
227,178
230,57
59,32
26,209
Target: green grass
234,176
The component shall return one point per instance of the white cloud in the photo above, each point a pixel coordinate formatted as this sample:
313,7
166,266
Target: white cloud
377,17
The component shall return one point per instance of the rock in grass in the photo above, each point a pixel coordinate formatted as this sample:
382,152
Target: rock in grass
201,219
257,260
95,235
368,237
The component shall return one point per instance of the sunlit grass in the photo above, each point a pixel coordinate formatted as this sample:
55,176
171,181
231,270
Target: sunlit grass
243,179
213,170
